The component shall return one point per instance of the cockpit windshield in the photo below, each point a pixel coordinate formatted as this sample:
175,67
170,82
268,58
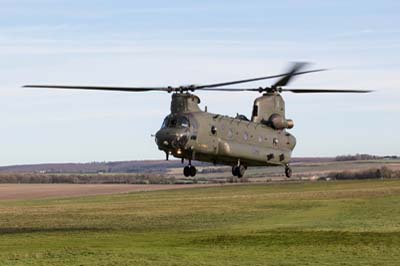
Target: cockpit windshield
175,122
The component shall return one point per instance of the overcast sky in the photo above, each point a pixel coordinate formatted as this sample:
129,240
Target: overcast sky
131,43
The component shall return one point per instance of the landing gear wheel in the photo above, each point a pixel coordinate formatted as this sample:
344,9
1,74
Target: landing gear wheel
186,171
288,171
193,171
241,170
189,170
234,170
238,170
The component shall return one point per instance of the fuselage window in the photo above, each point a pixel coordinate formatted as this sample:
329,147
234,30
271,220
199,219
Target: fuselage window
213,130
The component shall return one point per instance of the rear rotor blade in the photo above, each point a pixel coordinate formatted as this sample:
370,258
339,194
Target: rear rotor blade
293,72
325,91
261,89
256,79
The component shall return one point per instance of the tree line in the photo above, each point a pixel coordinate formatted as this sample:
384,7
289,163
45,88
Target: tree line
379,173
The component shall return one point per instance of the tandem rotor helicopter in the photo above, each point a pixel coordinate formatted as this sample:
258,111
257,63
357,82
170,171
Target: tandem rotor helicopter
191,134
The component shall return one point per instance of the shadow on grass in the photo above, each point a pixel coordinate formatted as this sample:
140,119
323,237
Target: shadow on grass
303,238
28,230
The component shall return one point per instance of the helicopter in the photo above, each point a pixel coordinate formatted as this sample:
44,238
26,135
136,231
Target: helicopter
191,134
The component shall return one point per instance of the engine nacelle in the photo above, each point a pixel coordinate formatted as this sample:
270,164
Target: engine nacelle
277,121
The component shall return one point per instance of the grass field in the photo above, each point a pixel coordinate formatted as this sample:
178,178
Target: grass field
321,223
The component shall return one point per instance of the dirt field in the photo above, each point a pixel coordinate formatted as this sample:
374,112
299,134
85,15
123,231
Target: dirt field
256,175
40,191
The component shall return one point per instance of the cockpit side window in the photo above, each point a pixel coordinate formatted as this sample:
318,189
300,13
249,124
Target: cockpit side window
166,122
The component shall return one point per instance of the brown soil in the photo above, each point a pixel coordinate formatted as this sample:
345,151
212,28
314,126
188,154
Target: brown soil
40,191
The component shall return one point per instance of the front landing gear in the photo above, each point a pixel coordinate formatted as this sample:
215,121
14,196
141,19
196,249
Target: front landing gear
288,171
189,170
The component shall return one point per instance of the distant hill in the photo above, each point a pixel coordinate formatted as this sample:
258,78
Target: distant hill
95,167
150,166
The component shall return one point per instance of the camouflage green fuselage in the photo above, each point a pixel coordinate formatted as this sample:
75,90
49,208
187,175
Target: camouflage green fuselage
193,134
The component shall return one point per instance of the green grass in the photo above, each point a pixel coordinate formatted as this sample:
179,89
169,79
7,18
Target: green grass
332,223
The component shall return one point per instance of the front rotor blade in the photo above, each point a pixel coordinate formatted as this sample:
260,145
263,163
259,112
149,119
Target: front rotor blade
325,91
255,79
102,88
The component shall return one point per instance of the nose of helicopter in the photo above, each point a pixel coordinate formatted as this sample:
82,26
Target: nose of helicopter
171,140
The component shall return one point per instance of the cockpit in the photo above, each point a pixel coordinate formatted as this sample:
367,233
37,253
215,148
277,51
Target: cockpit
172,121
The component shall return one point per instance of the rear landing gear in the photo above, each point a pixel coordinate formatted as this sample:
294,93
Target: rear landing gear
288,171
189,170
